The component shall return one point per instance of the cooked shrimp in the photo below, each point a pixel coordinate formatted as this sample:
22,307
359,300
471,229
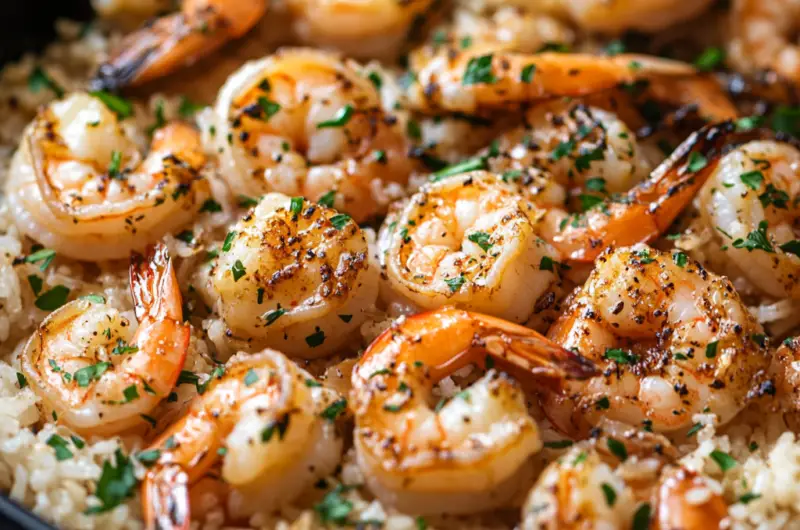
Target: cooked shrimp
593,486
786,374
482,78
91,370
649,208
303,122
618,16
126,10
79,185
292,275
263,419
763,36
752,200
176,40
467,455
673,340
473,241
358,28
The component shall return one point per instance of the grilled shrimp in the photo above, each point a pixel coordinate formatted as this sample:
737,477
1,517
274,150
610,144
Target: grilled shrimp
262,420
79,185
753,201
303,122
466,455
483,78
473,241
177,40
644,212
92,371
618,16
672,340
292,275
619,476
763,36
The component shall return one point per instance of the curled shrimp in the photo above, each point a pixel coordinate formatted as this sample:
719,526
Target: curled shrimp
292,275
467,455
92,371
673,340
648,209
79,185
622,15
304,122
763,36
473,241
482,78
592,486
262,419
176,40
752,200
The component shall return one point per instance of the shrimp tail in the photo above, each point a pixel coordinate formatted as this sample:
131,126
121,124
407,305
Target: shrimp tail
165,496
535,354
651,207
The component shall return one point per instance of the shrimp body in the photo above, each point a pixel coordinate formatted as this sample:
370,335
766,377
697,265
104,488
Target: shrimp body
473,241
672,339
92,371
619,16
753,196
176,40
303,122
78,183
261,419
483,78
357,28
292,275
467,455
763,36
591,487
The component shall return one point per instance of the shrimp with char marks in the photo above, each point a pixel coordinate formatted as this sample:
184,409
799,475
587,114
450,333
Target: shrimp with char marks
262,418
473,241
79,185
468,454
752,203
617,476
304,122
292,275
672,340
92,371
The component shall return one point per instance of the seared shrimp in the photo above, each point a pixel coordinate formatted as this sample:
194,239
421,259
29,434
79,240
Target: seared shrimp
648,209
473,241
79,185
764,37
619,476
752,200
263,420
673,340
466,455
92,372
176,40
292,275
618,16
303,122
483,78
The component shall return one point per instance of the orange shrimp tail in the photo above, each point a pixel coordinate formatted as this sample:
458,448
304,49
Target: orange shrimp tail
165,499
651,207
674,511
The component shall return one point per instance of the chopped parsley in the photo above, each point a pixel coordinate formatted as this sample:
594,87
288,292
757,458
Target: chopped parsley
609,493
271,316
455,283
60,445
211,206
270,108
226,245
641,518
36,284
316,338
39,79
559,444
278,426
694,430
696,162
52,299
327,199
711,349
238,270
251,377
479,70
680,259
119,106
117,483
44,255
527,73
791,247
620,356
123,348
340,220
723,460
752,179
481,239
296,205
340,119
472,164
333,508
187,108
333,410
710,59
617,448
756,240
22,381
603,403
90,373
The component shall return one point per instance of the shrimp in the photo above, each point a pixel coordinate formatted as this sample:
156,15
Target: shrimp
672,339
593,486
618,16
92,372
78,183
763,36
467,455
303,122
483,78
470,240
752,199
786,374
644,212
292,275
263,419
176,40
